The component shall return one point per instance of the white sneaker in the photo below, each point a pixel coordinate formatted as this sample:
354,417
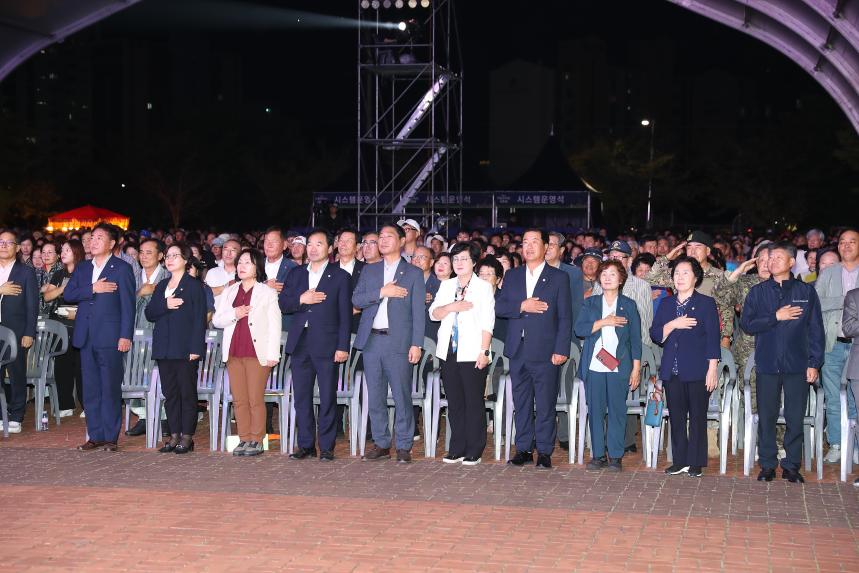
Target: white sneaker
83,415
833,456
471,461
66,413
14,427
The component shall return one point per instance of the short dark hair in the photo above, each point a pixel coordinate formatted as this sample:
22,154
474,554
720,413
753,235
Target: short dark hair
821,252
470,246
184,249
274,229
196,263
258,259
543,234
492,263
352,230
786,246
642,259
397,229
159,244
618,266
320,231
696,268
111,230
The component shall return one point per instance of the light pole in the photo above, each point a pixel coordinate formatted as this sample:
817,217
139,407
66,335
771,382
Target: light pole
652,125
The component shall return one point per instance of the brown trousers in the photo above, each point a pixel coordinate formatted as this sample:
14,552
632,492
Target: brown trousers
247,384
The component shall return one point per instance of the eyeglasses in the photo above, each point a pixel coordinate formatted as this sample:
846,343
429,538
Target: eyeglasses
5,244
370,243
419,257
172,256
462,259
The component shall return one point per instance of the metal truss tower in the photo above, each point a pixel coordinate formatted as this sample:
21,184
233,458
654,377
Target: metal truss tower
409,112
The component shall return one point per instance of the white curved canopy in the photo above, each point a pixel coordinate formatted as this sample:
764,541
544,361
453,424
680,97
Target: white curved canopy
27,26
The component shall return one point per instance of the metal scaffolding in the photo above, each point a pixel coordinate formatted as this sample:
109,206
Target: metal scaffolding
409,112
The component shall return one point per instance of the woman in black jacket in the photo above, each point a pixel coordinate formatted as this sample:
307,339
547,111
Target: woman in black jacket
177,310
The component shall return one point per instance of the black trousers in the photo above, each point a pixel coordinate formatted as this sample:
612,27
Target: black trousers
688,399
179,384
16,390
67,371
466,410
769,389
308,370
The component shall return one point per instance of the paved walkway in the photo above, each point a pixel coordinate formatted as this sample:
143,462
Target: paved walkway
143,511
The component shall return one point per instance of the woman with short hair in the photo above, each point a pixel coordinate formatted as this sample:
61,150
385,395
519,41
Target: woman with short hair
249,313
687,326
611,363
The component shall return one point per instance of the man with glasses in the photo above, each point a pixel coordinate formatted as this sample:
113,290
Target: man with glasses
19,310
412,230
103,287
370,248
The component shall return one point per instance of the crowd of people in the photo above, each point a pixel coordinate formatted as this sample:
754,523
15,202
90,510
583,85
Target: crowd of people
785,300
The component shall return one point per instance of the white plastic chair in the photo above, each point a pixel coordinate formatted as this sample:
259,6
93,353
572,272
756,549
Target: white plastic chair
812,425
568,397
52,339
277,390
8,354
497,376
421,397
139,372
848,430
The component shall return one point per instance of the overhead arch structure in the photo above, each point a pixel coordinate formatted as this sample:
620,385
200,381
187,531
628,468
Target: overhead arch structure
27,26
822,36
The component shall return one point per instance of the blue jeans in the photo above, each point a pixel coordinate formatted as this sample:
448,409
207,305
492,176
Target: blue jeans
830,374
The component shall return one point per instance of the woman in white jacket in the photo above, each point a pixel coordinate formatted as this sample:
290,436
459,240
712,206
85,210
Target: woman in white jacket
250,316
465,305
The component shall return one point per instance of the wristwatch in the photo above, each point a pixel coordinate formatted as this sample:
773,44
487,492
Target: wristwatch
487,353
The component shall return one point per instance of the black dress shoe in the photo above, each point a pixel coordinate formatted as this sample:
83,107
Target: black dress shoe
793,476
303,453
564,445
596,464
137,429
767,474
522,458
185,446
544,461
326,456
170,445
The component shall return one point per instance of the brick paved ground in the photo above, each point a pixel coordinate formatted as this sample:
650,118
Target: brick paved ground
144,511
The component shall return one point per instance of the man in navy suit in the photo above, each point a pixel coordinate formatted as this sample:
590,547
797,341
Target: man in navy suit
392,295
19,309
103,287
536,300
318,298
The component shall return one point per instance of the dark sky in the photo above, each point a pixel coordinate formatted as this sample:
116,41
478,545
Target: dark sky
309,70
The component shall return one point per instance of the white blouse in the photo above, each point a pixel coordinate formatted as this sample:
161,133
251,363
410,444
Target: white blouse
608,339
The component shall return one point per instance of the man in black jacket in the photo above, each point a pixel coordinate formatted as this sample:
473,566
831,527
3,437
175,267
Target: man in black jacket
19,309
784,316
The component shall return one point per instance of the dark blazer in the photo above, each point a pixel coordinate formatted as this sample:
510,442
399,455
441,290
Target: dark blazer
102,319
329,321
431,329
628,337
547,333
406,316
353,282
19,313
286,265
693,347
180,332
577,288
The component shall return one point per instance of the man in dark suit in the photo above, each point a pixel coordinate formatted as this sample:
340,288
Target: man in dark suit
347,248
318,298
392,295
19,309
103,287
536,299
